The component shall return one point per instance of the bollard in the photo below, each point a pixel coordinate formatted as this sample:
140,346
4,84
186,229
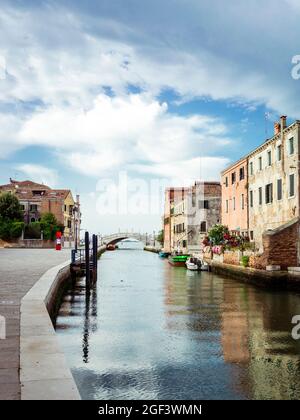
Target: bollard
58,241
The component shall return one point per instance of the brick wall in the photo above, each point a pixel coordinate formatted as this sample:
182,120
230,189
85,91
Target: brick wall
54,206
280,247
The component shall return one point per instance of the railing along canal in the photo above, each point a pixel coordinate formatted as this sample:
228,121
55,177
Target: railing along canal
85,260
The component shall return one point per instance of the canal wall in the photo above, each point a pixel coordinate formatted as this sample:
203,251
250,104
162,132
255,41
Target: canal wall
44,374
282,280
152,249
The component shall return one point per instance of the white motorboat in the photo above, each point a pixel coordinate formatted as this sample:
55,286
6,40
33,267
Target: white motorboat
195,264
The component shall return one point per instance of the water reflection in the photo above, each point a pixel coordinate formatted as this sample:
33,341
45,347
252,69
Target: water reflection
165,333
90,322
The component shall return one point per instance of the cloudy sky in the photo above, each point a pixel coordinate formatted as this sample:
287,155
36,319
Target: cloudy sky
98,93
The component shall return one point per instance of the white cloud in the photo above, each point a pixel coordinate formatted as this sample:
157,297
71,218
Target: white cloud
190,47
39,174
223,58
122,131
185,172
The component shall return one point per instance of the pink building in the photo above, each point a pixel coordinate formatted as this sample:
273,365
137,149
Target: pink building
235,211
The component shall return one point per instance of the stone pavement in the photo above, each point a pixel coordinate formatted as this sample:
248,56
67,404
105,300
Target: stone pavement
19,271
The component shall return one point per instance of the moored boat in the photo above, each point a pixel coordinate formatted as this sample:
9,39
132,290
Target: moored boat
178,260
111,247
193,264
163,254
196,264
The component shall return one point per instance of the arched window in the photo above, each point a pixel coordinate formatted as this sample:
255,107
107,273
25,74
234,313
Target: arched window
32,220
203,227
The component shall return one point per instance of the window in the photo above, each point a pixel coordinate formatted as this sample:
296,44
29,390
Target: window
291,146
279,189
233,203
269,193
33,207
32,220
242,201
194,199
292,186
65,208
233,178
260,196
251,168
251,198
22,207
227,207
226,181
203,227
242,173
179,228
184,244
69,224
260,163
204,204
251,235
269,158
279,153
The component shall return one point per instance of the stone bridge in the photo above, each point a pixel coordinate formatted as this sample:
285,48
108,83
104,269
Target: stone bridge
117,237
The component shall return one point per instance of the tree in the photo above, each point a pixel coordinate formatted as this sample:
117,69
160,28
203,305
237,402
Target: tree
11,217
50,225
10,209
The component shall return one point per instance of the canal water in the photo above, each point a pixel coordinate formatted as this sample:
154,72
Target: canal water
152,331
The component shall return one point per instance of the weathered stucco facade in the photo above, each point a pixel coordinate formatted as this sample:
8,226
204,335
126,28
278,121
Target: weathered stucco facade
204,212
273,172
235,197
173,202
189,214
179,223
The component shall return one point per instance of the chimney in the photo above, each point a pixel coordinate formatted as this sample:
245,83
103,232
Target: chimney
283,121
276,128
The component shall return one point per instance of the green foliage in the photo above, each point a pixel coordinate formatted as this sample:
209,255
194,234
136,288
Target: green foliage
4,229
10,209
10,230
245,261
33,231
48,219
11,217
49,226
216,234
16,229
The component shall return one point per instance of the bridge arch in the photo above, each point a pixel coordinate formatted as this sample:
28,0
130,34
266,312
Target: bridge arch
118,237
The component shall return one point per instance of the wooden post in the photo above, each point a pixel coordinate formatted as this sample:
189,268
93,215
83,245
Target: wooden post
87,260
96,256
95,259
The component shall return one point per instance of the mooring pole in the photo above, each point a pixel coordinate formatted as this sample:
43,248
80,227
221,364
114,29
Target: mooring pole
94,258
87,260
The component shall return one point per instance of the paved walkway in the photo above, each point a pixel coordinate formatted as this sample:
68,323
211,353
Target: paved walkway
19,271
